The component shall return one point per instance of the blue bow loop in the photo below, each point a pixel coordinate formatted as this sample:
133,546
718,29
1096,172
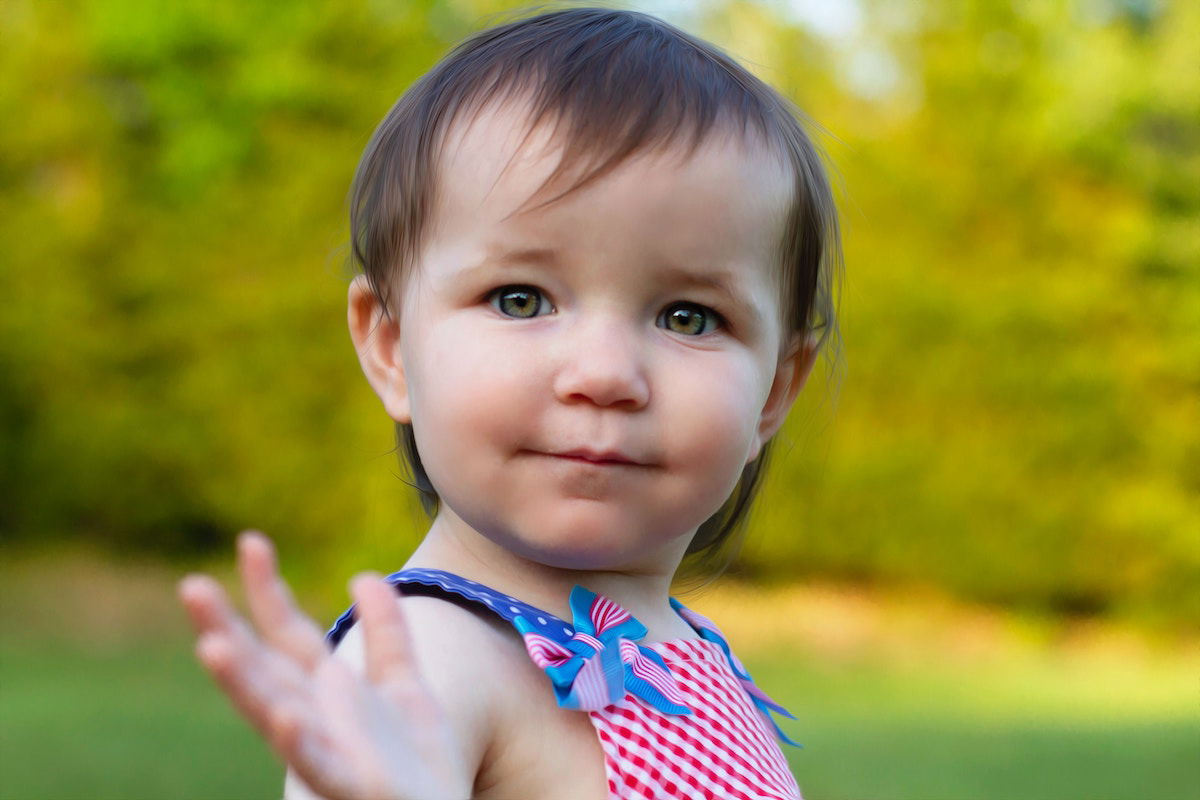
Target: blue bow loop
602,660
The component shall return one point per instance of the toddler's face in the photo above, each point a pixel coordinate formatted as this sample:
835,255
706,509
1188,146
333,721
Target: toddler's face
587,381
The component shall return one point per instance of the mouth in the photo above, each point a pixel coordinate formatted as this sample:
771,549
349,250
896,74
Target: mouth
602,458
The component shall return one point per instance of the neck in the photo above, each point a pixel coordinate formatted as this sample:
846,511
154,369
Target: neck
641,586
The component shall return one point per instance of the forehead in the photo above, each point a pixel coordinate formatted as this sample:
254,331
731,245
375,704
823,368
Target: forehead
493,171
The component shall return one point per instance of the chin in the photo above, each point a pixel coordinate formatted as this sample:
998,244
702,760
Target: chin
587,542
581,544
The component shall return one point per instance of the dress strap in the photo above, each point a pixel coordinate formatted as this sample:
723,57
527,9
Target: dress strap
437,582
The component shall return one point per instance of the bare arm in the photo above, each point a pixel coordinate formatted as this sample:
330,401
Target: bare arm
375,731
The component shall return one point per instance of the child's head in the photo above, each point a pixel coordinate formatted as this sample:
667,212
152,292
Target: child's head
587,231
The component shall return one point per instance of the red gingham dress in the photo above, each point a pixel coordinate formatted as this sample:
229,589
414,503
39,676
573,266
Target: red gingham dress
724,749
678,720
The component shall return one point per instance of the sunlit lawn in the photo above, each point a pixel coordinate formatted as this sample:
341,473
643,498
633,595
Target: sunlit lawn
875,732
139,719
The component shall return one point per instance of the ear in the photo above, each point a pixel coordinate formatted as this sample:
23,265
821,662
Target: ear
376,337
791,373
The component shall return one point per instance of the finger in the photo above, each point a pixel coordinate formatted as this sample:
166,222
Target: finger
326,766
212,613
271,603
232,670
206,603
231,653
386,639
297,738
214,617
388,745
259,683
309,752
302,740
361,725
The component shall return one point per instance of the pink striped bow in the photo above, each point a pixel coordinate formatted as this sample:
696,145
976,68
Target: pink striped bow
602,660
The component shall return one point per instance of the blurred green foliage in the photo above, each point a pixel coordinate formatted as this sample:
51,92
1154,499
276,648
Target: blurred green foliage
1018,419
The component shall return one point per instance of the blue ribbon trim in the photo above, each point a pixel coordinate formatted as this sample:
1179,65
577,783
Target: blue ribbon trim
765,706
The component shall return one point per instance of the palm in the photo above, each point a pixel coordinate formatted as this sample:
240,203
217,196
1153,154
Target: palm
347,735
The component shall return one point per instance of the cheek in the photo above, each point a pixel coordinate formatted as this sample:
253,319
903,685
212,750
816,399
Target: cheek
713,422
466,391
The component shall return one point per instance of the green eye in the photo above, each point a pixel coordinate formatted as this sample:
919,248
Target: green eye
521,302
689,319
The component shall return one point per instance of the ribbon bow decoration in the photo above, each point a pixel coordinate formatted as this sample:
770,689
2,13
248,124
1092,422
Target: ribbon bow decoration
602,659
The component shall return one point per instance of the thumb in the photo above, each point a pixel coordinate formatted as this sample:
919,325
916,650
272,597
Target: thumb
386,638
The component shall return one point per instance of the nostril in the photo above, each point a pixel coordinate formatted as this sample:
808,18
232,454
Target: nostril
630,390
602,365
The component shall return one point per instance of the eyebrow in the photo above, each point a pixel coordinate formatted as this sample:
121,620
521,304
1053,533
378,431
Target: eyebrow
541,256
525,255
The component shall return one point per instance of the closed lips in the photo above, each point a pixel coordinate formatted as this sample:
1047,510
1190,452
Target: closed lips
605,457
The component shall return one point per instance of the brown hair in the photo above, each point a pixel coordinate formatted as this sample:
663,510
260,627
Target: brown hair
616,83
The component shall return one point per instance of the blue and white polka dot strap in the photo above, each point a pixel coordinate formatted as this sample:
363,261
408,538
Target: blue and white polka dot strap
505,606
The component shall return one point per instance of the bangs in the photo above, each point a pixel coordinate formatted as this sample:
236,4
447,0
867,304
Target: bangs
610,90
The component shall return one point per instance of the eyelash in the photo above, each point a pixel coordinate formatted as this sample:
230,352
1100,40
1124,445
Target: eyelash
712,320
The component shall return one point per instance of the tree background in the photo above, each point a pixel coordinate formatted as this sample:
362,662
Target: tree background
1016,420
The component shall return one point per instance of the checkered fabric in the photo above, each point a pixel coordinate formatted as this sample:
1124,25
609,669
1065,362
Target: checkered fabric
723,749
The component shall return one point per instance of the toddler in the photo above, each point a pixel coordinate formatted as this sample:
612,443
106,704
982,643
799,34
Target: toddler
597,263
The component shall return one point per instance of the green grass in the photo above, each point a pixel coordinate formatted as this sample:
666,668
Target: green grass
886,733
146,723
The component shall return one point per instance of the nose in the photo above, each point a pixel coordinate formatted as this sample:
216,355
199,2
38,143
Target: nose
602,363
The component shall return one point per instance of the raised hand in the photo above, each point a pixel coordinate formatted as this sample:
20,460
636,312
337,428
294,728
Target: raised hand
378,736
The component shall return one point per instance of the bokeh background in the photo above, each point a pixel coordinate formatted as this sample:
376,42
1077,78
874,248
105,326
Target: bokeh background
975,569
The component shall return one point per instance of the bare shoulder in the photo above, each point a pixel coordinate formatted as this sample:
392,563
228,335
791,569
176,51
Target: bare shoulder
458,652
